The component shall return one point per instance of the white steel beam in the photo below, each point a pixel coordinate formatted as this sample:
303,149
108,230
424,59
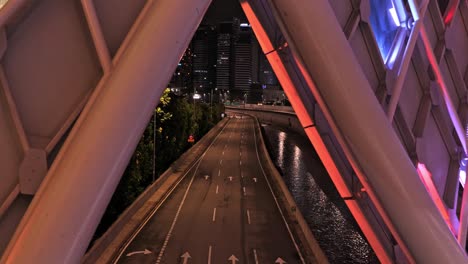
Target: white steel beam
62,218
403,69
14,111
10,9
364,132
305,115
459,127
9,200
96,33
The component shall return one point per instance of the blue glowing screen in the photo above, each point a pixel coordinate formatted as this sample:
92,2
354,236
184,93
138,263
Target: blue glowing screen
385,23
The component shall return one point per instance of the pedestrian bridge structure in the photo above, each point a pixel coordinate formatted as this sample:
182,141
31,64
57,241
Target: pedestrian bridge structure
380,88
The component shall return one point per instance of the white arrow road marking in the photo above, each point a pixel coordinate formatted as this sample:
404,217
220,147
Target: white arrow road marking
248,216
280,261
214,214
230,178
217,187
255,256
209,255
185,256
169,234
206,177
255,179
233,259
144,252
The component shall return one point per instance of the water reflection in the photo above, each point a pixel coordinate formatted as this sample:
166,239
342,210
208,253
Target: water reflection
281,139
315,195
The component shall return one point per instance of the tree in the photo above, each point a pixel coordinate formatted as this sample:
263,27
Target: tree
176,119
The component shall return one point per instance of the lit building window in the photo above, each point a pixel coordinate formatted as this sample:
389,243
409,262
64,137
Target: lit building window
386,20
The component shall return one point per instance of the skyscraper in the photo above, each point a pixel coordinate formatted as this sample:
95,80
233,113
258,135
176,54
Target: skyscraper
241,68
223,61
181,80
271,89
227,36
204,59
246,66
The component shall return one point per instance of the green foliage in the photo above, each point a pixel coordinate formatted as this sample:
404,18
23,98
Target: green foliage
176,119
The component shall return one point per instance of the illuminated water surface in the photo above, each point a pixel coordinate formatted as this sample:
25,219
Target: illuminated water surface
327,215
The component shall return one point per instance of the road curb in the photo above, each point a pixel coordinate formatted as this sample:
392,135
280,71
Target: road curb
109,244
301,231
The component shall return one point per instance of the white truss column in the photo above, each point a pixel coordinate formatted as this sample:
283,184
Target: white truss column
364,132
63,216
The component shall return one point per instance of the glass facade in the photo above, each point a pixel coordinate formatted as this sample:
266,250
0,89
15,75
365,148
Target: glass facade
385,23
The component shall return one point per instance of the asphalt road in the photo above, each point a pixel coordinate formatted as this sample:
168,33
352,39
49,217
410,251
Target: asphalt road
222,212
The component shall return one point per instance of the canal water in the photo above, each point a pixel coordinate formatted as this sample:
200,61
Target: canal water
328,217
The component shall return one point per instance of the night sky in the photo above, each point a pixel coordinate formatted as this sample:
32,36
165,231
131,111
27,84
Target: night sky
224,10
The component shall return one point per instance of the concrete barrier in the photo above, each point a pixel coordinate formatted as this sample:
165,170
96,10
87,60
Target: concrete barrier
272,115
300,228
106,248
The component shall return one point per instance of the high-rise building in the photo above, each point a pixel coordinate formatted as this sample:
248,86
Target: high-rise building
181,81
266,75
223,62
243,60
246,66
271,90
241,68
204,59
227,37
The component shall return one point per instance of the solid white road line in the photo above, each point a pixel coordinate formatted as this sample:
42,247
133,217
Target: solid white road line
214,214
248,216
276,200
217,187
209,255
255,256
169,234
240,162
197,163
221,162
219,172
243,188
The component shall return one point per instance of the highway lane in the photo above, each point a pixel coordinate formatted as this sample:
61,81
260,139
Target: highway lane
222,212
